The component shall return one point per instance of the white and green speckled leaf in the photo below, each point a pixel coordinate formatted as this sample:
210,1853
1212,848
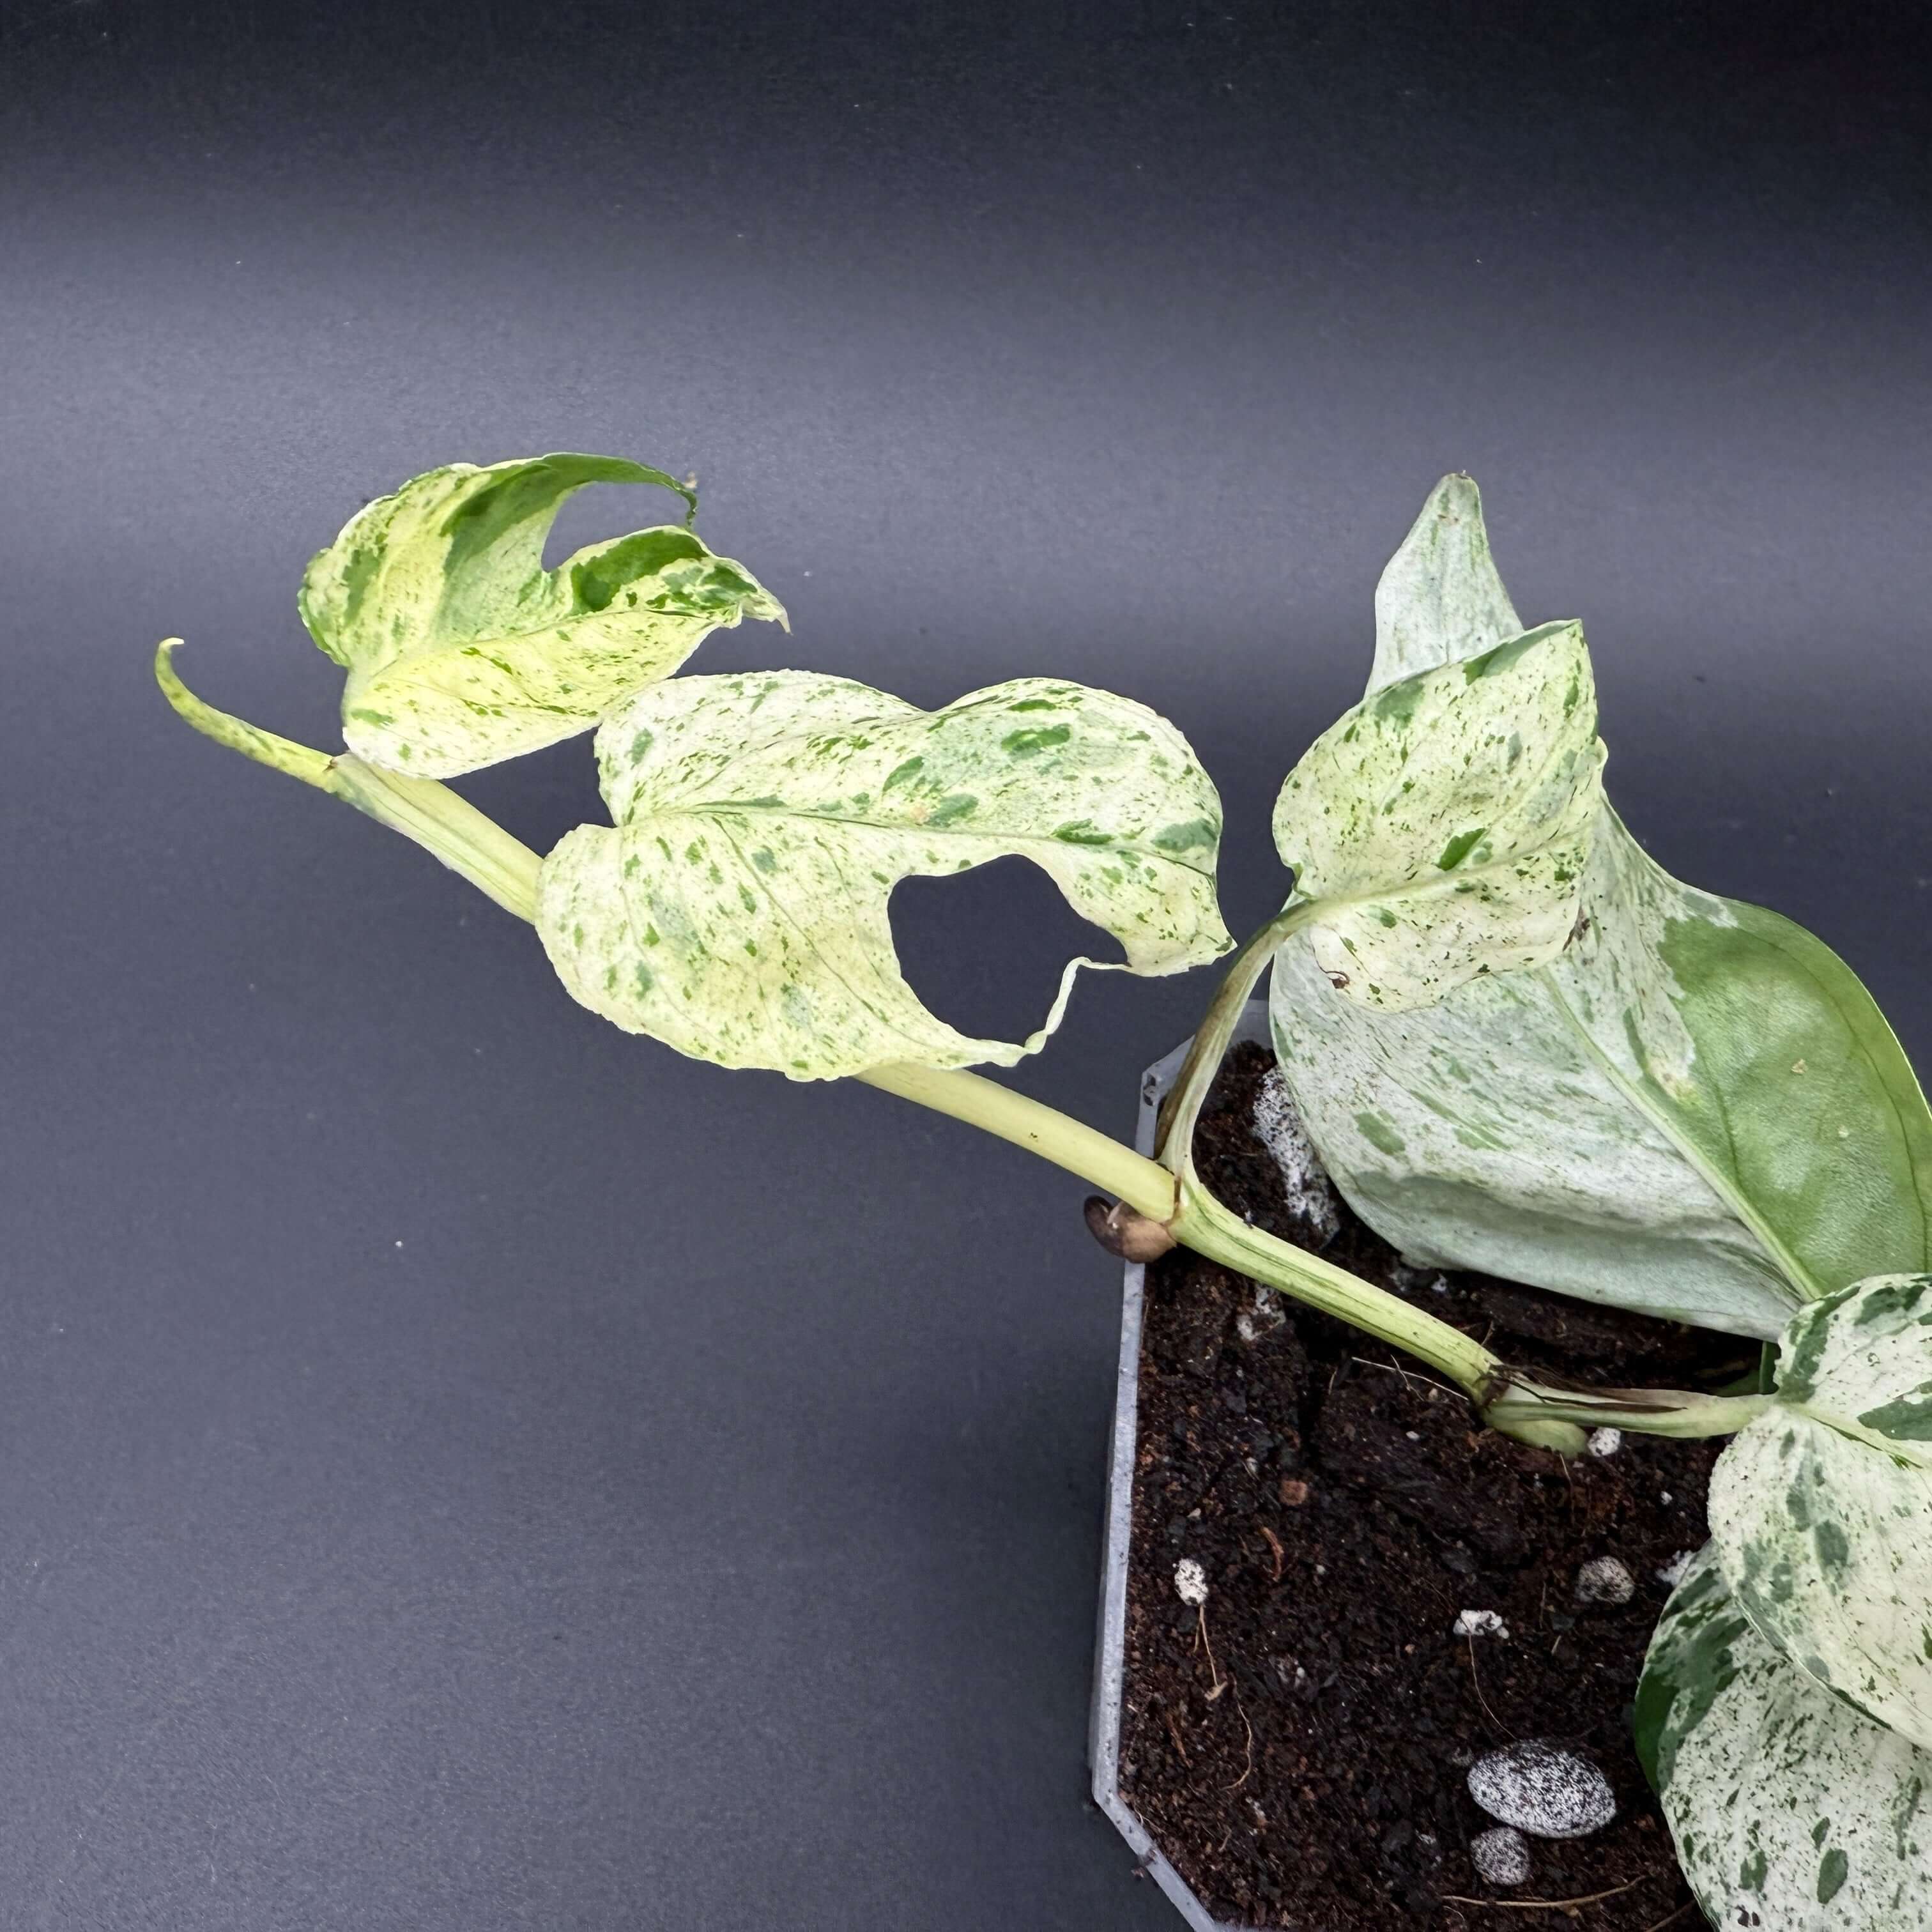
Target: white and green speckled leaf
1790,1810
736,908
1694,1110
462,649
1440,599
1821,1509
1443,825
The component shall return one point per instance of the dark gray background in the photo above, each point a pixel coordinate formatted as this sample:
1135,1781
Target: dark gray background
462,1468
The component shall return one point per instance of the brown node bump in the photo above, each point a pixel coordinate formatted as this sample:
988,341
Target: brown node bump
1125,1231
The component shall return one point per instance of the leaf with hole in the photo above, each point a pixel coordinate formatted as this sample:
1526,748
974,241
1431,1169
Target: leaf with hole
736,908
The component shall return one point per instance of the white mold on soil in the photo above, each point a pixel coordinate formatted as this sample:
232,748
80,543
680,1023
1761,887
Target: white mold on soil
1310,1193
1672,1573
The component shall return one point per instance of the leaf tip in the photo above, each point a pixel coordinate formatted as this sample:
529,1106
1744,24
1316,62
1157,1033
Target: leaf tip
165,676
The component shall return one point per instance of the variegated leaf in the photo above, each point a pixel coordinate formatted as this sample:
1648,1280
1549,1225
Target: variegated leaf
737,908
1443,823
462,649
1821,1509
1695,1110
1441,586
1790,1811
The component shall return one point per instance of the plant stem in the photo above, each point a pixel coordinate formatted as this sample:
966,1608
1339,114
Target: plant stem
1679,1412
1143,1184
1197,1220
1207,1227
466,840
1172,1194
1182,1108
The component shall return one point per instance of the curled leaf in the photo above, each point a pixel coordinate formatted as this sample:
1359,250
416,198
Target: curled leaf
462,649
1821,1509
1693,1108
737,907
1443,825
1788,1808
1441,601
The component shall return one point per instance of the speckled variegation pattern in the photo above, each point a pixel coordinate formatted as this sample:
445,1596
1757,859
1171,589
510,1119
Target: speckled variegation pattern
1445,823
1821,1509
1694,1109
462,649
736,909
1442,583
1791,1813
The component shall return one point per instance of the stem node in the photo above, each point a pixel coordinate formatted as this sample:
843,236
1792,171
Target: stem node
1124,1231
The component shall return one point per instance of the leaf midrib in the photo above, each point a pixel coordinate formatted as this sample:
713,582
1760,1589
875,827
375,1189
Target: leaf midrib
1149,854
1801,1278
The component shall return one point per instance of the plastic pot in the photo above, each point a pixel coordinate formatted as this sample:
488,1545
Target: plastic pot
1103,1748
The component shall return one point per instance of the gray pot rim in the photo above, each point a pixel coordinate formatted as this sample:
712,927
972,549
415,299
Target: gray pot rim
1103,1741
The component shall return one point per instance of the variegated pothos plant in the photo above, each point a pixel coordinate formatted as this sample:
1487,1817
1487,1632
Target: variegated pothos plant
1517,1043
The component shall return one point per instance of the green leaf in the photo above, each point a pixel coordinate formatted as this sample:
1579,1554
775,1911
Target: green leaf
1821,1509
1693,1110
1443,825
736,910
1789,1809
462,649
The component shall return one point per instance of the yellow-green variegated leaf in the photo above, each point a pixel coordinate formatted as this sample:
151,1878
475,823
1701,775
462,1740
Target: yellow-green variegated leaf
1443,823
1789,1809
462,649
1694,1109
1821,1509
737,907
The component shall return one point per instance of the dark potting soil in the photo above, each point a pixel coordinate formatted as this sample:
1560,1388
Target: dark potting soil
1346,1508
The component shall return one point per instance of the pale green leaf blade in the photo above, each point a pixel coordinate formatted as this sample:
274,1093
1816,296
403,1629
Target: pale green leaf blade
462,649
1443,823
1821,1509
736,908
1487,1133
1763,1053
1694,1110
1789,1809
1440,599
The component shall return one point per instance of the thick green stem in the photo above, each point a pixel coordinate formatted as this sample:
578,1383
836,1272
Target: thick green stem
466,840
1143,1184
442,822
1680,1412
1209,1047
1167,1192
1209,1228
1195,1219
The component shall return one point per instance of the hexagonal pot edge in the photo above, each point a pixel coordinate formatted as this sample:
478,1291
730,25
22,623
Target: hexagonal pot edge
1103,1737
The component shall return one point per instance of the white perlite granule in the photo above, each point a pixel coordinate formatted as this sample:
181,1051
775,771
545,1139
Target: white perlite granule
1479,1623
1500,1856
1190,1582
1547,1792
1605,1441
1672,1572
1605,1580
1310,1193
1268,1314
